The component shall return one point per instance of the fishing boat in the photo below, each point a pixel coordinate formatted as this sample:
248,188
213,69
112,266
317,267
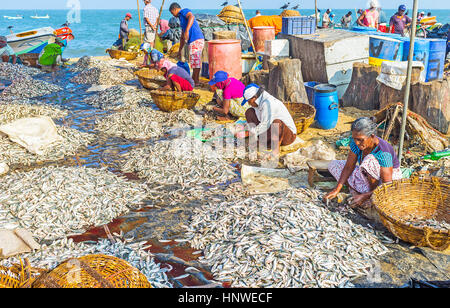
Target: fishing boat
40,17
13,17
34,41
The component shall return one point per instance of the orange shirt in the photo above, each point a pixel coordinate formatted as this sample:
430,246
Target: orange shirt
267,21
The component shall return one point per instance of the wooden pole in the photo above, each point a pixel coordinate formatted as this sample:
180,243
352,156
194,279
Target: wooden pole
408,80
248,30
317,19
157,22
140,22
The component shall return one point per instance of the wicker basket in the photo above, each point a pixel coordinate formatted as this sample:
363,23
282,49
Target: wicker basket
93,271
151,79
303,115
423,198
171,101
19,275
122,54
290,13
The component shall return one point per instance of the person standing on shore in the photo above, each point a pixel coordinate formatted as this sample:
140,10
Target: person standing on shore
123,32
6,51
191,35
370,17
399,21
151,18
346,20
326,19
258,13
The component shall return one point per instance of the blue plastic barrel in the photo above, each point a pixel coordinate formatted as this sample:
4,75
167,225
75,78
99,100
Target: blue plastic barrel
436,60
327,105
309,87
421,51
386,48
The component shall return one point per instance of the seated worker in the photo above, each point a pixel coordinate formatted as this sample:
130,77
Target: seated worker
268,118
123,33
51,55
178,79
229,94
152,56
6,52
377,161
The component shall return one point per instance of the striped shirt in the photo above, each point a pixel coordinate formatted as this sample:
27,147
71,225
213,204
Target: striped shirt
384,154
151,13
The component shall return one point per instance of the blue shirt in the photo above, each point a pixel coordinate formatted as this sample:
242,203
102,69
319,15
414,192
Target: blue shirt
195,33
384,154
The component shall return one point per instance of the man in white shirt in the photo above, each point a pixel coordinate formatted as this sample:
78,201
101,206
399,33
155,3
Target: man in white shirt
151,18
268,119
258,13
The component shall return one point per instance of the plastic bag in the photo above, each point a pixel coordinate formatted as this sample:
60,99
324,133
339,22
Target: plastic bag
34,134
317,151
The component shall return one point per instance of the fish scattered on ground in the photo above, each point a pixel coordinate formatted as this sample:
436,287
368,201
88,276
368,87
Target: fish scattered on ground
27,87
11,111
10,71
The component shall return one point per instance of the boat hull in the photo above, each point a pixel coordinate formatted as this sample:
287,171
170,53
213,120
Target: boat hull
31,41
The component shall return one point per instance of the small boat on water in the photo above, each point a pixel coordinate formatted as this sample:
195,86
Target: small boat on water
40,17
13,17
34,41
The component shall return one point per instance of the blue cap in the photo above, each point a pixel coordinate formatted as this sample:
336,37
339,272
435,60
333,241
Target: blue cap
252,85
219,76
402,7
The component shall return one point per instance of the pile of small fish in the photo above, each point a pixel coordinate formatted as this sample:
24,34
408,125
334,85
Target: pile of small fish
282,241
27,87
430,223
143,122
93,71
183,161
10,71
73,140
54,202
50,256
119,97
10,112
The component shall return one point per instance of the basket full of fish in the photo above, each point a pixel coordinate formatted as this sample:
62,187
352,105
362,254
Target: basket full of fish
169,101
151,79
122,54
416,211
302,114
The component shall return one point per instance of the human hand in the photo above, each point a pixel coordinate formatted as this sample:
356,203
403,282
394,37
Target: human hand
358,200
331,195
186,36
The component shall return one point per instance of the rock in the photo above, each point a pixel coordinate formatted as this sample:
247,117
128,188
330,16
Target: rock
260,78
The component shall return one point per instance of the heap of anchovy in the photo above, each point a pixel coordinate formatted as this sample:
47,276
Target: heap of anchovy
50,256
10,112
282,241
143,122
10,71
182,161
433,223
53,202
118,97
73,140
27,87
91,71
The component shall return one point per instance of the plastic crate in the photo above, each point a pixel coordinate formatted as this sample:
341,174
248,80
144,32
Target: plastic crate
299,25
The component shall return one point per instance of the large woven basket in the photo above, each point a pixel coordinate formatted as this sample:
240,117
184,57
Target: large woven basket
122,54
18,275
151,79
171,101
93,271
421,198
303,115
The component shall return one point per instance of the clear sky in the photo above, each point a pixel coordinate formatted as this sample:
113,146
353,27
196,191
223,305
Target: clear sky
214,4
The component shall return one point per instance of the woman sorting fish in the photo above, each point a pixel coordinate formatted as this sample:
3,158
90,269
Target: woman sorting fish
151,56
268,119
378,164
178,79
229,96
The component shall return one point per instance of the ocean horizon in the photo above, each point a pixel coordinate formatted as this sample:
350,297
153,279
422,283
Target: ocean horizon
98,29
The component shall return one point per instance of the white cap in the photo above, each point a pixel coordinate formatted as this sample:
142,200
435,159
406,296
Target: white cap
250,91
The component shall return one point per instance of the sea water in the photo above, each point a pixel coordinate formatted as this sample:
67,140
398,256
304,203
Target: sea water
97,30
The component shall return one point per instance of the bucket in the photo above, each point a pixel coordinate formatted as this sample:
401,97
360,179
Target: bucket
383,48
327,105
261,35
421,51
225,55
309,87
436,60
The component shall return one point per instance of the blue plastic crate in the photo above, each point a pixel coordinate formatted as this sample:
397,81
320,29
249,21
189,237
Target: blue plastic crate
299,25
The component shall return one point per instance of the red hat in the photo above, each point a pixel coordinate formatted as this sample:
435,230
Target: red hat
129,15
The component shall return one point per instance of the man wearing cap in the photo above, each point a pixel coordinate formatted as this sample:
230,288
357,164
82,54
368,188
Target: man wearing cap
268,117
6,51
123,32
400,22
229,96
